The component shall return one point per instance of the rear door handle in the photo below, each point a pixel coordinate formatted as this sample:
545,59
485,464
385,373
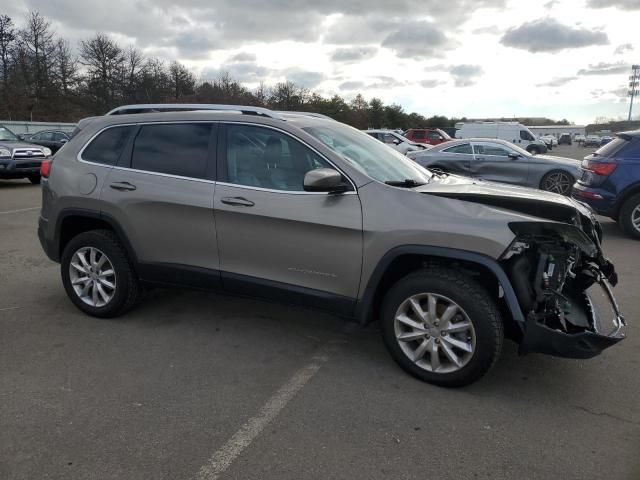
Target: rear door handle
123,186
237,201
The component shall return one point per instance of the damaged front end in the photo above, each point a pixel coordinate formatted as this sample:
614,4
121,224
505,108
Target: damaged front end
563,284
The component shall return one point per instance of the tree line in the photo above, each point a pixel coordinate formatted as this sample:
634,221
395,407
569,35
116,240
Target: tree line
43,79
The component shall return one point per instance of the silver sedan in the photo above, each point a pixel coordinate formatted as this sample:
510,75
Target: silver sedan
500,161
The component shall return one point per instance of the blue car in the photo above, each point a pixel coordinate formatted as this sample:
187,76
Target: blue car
610,181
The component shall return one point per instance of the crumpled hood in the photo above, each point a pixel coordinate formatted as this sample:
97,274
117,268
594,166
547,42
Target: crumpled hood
538,203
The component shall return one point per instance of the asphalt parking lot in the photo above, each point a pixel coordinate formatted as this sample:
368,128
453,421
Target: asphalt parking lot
192,385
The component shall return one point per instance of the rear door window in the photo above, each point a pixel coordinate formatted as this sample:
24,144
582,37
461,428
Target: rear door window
418,134
464,148
107,147
173,149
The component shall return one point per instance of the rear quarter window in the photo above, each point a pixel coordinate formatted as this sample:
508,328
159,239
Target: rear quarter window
107,146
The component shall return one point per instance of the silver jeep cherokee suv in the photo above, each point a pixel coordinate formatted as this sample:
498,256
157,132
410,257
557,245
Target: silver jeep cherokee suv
306,210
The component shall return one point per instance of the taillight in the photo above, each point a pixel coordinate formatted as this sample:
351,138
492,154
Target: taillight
600,168
45,168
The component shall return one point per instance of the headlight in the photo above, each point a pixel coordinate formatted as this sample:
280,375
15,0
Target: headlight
5,153
46,151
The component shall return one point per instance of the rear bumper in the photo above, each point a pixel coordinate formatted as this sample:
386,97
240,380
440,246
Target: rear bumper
602,201
19,168
602,332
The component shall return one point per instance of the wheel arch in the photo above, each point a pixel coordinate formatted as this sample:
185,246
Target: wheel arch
71,222
402,260
626,194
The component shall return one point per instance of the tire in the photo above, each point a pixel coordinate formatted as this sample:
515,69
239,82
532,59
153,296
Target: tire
126,288
35,179
476,307
557,181
533,150
631,210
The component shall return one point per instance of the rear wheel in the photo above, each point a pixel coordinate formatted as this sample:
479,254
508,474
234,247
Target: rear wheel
557,181
442,327
97,275
629,217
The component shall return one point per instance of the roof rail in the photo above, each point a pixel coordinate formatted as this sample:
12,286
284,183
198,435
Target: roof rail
173,107
306,114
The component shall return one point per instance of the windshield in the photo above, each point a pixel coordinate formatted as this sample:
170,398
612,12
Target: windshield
368,155
7,135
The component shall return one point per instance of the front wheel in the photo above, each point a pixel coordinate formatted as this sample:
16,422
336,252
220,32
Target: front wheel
557,182
442,327
629,217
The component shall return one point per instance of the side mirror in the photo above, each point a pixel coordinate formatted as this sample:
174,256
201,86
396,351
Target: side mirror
63,141
395,141
513,156
323,180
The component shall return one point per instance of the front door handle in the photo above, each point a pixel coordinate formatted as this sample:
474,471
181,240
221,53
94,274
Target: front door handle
237,201
123,186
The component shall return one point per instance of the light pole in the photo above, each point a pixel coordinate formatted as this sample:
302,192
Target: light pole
634,81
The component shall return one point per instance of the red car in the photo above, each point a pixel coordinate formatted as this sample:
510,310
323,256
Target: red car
432,136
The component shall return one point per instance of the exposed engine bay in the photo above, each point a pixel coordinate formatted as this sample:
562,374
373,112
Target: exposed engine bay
552,268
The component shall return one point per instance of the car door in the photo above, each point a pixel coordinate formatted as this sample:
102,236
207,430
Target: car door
59,139
274,238
491,161
456,159
161,195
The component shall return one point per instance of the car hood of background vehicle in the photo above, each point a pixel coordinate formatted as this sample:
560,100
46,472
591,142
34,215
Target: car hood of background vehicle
551,158
14,145
530,201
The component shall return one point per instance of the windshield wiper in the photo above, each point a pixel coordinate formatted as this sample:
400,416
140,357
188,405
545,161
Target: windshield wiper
407,183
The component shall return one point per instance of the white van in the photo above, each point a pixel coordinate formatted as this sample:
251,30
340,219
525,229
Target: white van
513,132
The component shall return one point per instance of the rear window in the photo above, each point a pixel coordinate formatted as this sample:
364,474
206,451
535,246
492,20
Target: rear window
612,147
418,134
107,147
464,148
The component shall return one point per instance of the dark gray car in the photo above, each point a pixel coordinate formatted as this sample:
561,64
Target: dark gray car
20,159
307,210
501,161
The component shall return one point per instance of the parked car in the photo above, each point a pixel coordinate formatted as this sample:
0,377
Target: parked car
549,140
512,132
565,139
500,161
579,139
53,139
605,139
306,210
591,141
431,136
610,181
20,159
397,142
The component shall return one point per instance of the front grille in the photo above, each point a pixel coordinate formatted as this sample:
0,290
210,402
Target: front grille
28,153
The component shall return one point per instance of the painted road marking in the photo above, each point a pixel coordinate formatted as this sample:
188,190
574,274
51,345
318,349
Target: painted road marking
222,459
20,210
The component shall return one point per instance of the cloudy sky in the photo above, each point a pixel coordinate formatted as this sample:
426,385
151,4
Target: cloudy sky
477,58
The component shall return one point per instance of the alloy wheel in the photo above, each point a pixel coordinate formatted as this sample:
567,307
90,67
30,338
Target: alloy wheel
557,182
435,333
92,276
635,218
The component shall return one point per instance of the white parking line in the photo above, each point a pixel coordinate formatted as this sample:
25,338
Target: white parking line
20,210
222,459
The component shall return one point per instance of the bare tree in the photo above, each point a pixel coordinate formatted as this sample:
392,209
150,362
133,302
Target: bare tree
66,65
181,80
134,64
104,61
7,43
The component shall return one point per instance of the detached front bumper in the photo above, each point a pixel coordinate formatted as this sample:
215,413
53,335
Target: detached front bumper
595,323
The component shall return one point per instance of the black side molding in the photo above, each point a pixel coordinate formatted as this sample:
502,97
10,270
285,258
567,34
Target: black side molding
365,304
